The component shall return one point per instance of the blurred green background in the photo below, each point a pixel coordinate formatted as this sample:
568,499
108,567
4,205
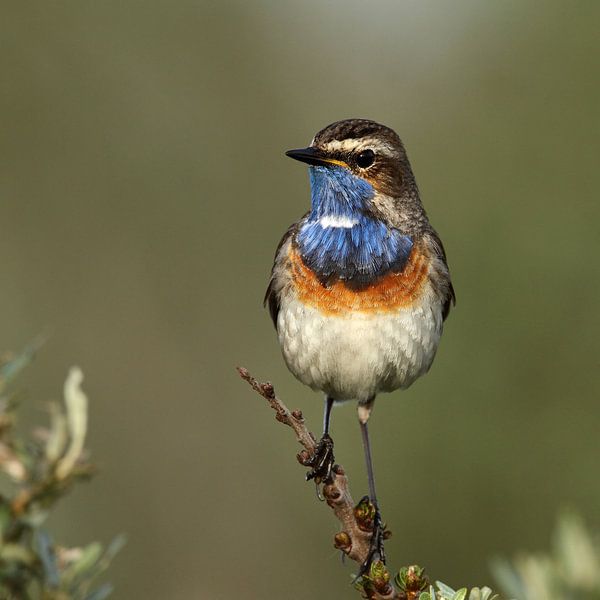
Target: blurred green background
143,190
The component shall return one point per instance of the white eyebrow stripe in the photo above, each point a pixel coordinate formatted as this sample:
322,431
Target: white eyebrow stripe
342,145
333,221
356,145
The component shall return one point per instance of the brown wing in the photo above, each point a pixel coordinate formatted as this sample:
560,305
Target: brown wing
438,248
271,299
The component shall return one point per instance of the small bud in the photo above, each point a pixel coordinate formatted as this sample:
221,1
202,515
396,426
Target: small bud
297,414
342,541
378,571
412,579
364,513
268,390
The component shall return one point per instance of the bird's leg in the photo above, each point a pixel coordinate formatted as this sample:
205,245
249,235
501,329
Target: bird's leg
322,461
376,549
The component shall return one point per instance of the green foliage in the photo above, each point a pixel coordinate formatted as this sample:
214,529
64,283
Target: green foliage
570,571
37,472
411,579
413,584
444,592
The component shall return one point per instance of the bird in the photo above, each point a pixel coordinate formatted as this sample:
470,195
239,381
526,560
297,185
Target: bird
360,285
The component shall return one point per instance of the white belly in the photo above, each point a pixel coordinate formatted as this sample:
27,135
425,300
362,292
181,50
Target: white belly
358,355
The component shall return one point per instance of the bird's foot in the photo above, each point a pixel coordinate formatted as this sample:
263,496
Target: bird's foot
378,536
322,461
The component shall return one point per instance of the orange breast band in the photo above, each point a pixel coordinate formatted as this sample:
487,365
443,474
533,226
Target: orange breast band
387,294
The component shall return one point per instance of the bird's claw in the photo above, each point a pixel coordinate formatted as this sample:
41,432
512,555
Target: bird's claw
322,461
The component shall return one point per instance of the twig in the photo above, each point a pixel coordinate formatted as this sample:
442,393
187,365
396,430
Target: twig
356,520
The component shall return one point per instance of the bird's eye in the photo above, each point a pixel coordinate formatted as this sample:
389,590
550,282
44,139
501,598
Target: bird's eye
365,159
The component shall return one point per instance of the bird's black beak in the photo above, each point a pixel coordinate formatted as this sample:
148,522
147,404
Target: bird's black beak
313,156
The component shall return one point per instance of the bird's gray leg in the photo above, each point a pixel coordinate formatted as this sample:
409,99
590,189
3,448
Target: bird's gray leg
327,414
376,549
364,412
322,461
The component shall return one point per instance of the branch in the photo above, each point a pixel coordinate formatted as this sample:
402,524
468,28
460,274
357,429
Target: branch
356,520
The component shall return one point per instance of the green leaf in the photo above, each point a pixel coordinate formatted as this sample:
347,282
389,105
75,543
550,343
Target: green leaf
460,594
57,441
485,593
10,369
15,553
575,550
83,566
446,591
509,580
115,546
77,416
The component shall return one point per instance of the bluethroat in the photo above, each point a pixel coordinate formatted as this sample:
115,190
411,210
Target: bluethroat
360,286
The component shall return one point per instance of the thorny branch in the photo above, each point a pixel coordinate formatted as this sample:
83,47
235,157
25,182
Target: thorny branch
356,520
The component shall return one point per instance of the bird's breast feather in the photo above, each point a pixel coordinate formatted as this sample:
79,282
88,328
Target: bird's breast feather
389,292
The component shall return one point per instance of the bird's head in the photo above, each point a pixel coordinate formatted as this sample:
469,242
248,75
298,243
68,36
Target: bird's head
357,165
366,213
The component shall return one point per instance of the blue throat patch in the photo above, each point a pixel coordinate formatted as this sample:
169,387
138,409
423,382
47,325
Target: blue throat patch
340,239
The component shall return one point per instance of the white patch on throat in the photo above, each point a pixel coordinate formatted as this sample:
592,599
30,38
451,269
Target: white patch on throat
333,221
